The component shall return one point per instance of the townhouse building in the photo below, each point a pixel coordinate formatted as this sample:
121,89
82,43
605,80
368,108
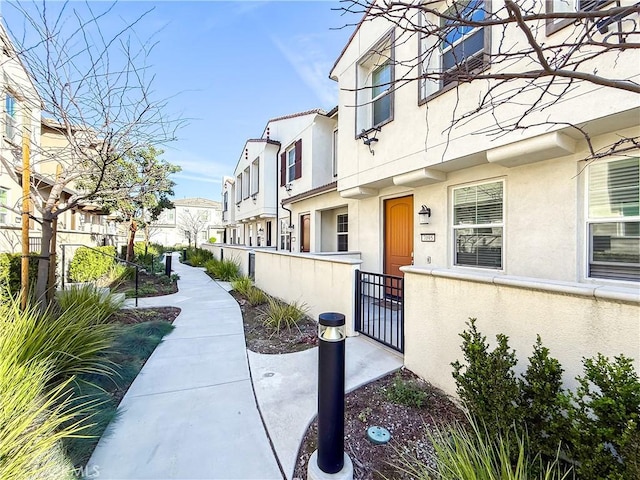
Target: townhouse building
192,221
533,231
517,229
263,204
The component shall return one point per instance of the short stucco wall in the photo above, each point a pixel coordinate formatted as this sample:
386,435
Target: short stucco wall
238,253
324,283
574,320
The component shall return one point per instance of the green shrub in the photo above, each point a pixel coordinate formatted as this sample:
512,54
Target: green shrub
605,416
487,383
213,239
472,453
89,264
255,296
406,392
280,315
242,285
542,401
11,272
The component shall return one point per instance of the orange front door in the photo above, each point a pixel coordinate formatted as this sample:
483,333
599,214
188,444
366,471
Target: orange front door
305,241
398,234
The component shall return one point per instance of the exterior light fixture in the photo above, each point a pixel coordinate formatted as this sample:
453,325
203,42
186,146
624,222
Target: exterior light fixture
260,231
424,215
330,460
290,228
364,136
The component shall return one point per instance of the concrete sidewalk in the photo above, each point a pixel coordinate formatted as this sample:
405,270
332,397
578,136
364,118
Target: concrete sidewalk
192,413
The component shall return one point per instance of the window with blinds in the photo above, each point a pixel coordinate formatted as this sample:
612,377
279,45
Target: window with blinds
613,219
342,222
478,223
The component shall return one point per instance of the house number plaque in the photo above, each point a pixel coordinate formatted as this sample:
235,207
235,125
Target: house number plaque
428,237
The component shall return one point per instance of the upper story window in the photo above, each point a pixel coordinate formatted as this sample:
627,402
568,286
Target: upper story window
613,219
255,176
459,52
171,215
239,188
225,202
11,117
246,182
3,201
374,94
568,6
291,163
334,153
478,224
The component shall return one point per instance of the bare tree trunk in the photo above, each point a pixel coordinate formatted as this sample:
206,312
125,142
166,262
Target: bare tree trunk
51,283
43,262
133,228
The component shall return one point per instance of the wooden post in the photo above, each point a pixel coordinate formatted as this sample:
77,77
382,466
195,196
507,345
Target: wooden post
26,196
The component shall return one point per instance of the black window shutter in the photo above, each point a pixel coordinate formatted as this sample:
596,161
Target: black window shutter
283,169
298,165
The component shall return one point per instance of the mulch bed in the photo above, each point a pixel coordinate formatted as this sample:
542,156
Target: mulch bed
369,406
261,339
364,407
148,286
138,315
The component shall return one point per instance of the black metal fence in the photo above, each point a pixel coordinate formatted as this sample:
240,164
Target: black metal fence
35,244
380,308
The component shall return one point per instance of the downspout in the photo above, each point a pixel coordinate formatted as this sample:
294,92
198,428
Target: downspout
289,225
277,191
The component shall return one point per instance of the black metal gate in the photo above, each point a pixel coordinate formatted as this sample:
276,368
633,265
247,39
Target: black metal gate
252,265
380,308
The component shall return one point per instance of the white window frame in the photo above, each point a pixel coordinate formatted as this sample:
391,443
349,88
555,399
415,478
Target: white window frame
568,6
344,234
246,182
285,236
3,210
382,54
291,163
501,225
334,153
11,111
239,189
595,219
255,176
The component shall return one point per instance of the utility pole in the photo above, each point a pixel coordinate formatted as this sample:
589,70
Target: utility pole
26,204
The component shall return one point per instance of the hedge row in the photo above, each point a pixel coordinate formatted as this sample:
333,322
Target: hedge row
89,264
11,268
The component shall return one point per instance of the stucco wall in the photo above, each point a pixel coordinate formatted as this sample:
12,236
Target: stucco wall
227,252
574,320
325,284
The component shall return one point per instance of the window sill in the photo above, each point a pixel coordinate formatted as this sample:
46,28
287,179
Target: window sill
450,86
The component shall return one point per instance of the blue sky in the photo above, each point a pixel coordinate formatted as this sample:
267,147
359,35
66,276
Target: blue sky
229,67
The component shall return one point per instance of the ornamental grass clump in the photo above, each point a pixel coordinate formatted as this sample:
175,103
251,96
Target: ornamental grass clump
242,285
279,315
71,337
39,355
469,452
256,297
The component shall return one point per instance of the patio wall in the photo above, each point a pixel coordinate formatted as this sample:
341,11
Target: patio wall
324,283
238,252
574,320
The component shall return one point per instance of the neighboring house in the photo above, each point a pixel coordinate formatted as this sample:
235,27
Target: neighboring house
192,221
517,229
20,109
292,162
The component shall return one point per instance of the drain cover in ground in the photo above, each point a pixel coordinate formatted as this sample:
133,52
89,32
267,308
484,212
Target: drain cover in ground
378,435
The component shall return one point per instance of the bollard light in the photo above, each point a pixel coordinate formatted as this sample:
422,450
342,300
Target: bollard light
331,357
